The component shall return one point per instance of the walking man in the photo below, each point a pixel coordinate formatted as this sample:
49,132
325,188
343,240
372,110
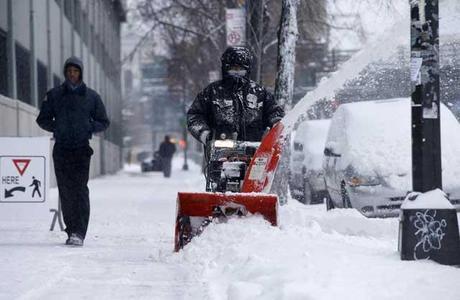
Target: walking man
167,149
73,112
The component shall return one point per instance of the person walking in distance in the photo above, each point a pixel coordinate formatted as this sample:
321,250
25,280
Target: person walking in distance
73,112
167,149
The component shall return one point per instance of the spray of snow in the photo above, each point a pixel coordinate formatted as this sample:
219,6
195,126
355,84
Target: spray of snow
381,48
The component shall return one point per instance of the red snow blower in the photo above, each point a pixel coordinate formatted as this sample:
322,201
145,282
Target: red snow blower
239,176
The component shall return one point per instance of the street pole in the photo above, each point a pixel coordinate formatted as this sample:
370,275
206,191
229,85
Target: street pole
426,136
428,227
184,127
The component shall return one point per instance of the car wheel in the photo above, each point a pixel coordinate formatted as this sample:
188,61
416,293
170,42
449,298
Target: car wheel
345,197
324,196
329,204
307,194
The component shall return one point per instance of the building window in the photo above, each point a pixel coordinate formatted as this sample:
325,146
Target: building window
42,82
68,9
3,65
56,80
85,28
77,14
23,73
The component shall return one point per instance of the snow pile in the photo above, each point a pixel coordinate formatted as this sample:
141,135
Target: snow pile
128,253
314,254
312,135
435,199
375,138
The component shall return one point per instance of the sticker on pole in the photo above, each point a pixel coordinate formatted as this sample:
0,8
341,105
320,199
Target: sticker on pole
24,169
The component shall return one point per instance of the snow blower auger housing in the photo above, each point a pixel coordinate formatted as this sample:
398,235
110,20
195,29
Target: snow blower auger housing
238,177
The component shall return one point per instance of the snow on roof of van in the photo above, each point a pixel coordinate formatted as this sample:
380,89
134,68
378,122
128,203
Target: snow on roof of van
375,138
312,134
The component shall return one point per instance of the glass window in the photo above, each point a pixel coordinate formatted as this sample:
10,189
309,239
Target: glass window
3,64
23,73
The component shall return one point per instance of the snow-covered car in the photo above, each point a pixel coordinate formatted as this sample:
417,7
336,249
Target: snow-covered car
367,158
307,176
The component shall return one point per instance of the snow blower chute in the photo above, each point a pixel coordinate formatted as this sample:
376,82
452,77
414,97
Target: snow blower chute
239,176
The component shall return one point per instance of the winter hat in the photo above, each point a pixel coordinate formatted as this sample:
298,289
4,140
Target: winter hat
75,62
236,56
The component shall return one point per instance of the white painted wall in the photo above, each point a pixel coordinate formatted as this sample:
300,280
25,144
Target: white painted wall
8,117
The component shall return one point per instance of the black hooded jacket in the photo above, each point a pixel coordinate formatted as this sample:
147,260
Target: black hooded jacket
73,114
234,105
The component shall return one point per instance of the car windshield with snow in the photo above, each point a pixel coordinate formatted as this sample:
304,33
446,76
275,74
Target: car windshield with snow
367,157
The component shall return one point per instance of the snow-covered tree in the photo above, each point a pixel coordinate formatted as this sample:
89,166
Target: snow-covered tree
284,88
287,38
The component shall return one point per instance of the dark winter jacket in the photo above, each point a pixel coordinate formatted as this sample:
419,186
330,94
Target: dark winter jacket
73,114
246,109
167,150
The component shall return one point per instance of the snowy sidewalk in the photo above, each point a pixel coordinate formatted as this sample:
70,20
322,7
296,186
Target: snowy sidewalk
314,254
132,220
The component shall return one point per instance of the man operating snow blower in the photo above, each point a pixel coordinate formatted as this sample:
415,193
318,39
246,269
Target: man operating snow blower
234,108
229,117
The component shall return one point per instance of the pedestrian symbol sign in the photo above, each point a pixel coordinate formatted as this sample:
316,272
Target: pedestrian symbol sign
24,169
22,179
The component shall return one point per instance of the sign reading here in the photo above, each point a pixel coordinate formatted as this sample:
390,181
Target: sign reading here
22,178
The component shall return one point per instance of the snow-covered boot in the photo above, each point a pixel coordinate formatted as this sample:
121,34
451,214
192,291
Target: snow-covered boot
75,240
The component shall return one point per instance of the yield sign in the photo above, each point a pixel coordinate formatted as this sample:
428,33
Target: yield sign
21,165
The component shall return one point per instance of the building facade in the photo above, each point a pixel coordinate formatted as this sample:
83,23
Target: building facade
37,36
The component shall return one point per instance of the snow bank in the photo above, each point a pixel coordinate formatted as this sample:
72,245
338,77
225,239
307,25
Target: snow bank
128,253
314,254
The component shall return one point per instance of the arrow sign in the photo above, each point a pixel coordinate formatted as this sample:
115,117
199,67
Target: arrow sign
21,165
9,193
